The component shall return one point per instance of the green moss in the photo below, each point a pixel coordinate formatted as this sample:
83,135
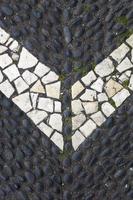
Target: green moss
122,20
125,83
86,7
62,77
125,35
112,103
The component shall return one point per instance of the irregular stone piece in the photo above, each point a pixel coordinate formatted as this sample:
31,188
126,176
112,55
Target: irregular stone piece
112,87
45,104
90,107
130,40
55,121
38,88
102,97
50,77
6,88
45,129
2,49
14,46
77,121
5,60
98,118
77,88
41,70
88,128
20,85
12,72
76,106
120,97
27,60
89,78
107,109
23,101
57,106
3,36
104,68
131,83
124,65
57,138
77,139
98,85
37,115
29,77
123,78
15,56
120,53
53,90
34,97
89,95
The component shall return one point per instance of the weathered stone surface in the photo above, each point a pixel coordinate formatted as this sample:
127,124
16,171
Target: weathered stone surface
124,65
53,90
55,122
104,68
89,95
20,85
38,88
76,106
41,70
90,107
6,88
5,60
88,128
98,118
12,72
37,115
77,139
89,78
50,77
107,109
112,87
98,85
29,77
120,97
45,129
120,53
77,88
46,104
77,121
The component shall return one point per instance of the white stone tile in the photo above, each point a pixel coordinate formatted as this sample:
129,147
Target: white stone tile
89,95
6,88
55,121
76,106
5,60
50,77
45,129
23,101
89,78
98,118
77,121
34,98
120,97
130,40
112,87
123,78
3,36
20,85
57,138
57,105
77,88
131,83
107,109
9,41
102,97
77,139
128,73
29,77
37,115
14,46
41,70
38,88
90,107
88,128
53,90
45,104
1,76
2,49
27,60
98,85
104,68
119,53
15,56
124,65
12,72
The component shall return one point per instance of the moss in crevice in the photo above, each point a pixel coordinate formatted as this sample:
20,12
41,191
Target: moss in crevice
125,83
122,20
112,103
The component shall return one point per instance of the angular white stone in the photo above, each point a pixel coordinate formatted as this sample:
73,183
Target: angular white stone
98,85
88,128
20,85
41,70
107,109
89,95
104,68
37,115
29,77
1,77
57,105
14,46
15,57
27,60
55,121
3,36
77,139
45,104
128,73
120,53
120,97
90,107
89,78
131,83
23,101
123,78
76,106
77,88
12,72
10,40
58,140
98,118
50,77
130,40
38,88
112,87
53,90
45,129
6,88
5,60
124,65
102,97
77,121
2,49
34,97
